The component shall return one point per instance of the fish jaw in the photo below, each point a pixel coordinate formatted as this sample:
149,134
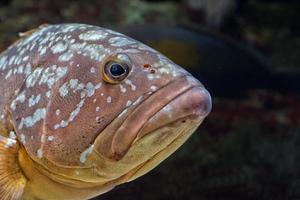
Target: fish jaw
184,99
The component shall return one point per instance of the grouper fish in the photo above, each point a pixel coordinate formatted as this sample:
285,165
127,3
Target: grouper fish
84,109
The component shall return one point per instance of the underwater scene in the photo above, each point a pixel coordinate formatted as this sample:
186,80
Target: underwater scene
246,53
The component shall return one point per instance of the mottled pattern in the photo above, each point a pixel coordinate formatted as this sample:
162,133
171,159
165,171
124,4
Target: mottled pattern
51,81
92,108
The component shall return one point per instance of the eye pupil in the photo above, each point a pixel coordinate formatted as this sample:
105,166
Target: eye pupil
117,69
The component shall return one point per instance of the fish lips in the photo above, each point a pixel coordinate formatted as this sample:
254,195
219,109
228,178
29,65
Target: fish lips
182,99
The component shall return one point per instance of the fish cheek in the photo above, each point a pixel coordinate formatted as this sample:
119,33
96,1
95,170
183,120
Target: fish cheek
66,122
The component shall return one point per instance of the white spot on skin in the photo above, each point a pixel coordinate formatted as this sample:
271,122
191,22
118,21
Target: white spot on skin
144,47
93,51
57,112
3,63
72,41
86,153
43,50
65,57
33,77
90,88
165,67
130,51
108,100
18,61
30,121
22,139
27,69
163,70
63,90
120,41
93,35
123,57
48,94
97,109
150,77
34,100
11,60
64,123
83,94
39,153
94,100
50,138
12,135
9,73
153,88
20,98
20,69
129,82
122,88
59,48
25,58
73,83
93,70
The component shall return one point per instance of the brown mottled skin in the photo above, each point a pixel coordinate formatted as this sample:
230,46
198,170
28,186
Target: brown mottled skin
79,134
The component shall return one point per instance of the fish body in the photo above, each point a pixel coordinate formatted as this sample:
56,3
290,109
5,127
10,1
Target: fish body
84,109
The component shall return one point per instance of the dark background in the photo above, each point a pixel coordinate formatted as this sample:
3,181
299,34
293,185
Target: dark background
245,52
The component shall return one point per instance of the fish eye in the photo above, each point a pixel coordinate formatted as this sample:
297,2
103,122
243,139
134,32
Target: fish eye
115,71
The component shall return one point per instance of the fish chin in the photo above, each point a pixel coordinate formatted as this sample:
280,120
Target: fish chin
180,132
147,152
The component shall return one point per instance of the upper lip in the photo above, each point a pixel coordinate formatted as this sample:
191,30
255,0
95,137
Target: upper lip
193,104
117,144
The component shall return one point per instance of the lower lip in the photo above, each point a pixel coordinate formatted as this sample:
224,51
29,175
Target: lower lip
182,134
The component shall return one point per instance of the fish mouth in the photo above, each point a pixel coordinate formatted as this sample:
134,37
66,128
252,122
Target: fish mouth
184,99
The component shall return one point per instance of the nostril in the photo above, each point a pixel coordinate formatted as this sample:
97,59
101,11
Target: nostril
147,65
152,71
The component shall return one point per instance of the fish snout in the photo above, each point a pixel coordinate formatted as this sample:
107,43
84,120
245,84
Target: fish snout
190,106
196,102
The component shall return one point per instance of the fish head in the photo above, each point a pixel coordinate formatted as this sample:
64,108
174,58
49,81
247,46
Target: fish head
154,109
